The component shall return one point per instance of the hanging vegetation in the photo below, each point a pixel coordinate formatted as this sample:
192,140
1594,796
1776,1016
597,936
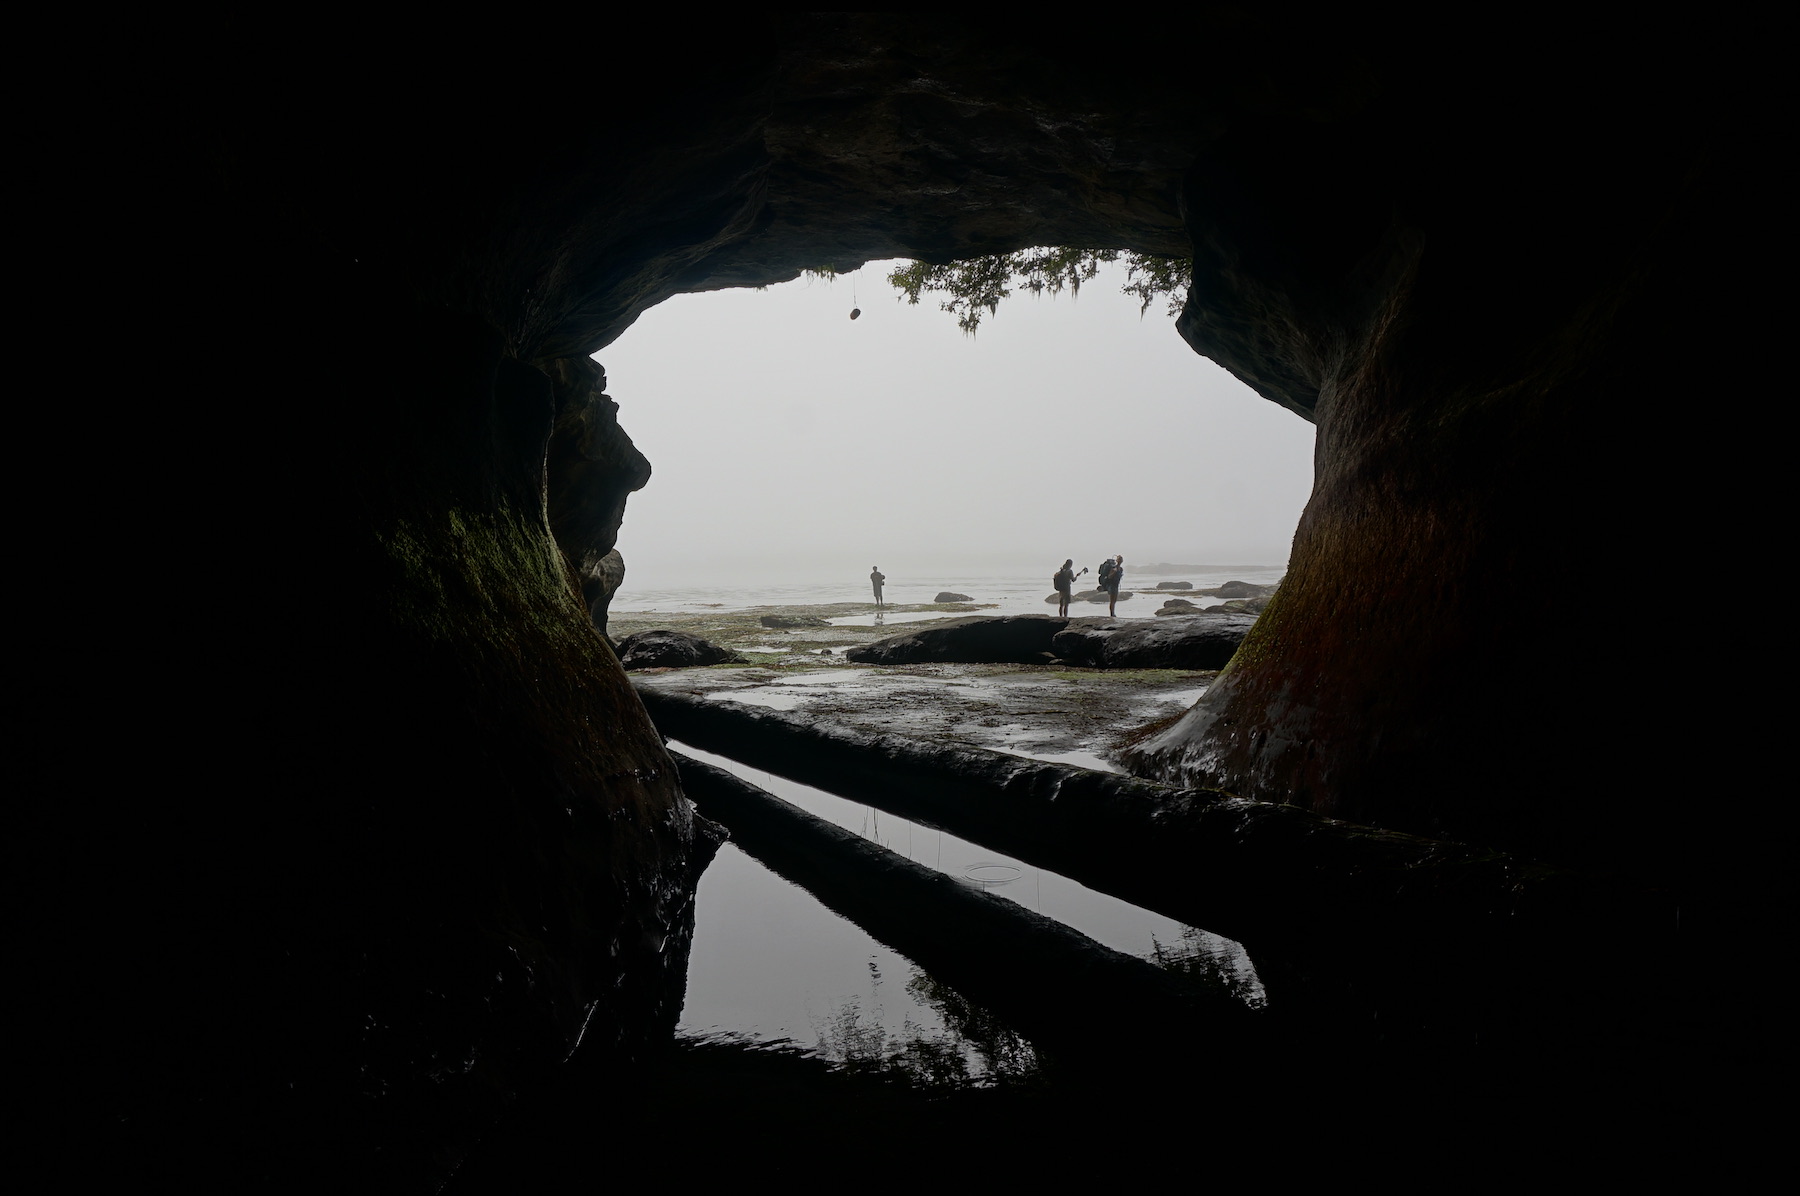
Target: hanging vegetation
977,285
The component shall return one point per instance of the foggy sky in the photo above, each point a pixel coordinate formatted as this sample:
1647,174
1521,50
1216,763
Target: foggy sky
789,440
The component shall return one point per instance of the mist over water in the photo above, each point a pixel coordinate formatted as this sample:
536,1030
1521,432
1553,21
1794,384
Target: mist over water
790,445
1012,593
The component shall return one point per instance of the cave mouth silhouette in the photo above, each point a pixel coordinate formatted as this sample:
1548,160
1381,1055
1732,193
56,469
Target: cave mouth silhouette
420,838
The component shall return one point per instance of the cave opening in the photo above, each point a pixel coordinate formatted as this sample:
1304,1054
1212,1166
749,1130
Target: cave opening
789,442
443,847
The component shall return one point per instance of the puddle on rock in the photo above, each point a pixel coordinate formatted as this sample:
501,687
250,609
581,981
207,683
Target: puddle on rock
1203,956
1079,759
773,966
770,699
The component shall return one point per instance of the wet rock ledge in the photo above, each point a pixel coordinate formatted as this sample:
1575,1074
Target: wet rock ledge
1421,939
1254,870
1196,642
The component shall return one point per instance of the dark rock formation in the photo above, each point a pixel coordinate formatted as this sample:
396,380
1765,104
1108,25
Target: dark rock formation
1174,585
1178,606
788,622
1383,922
591,467
1199,642
991,639
663,649
465,852
1054,981
600,579
947,596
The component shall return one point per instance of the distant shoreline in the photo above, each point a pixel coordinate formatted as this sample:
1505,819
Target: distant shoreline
1165,567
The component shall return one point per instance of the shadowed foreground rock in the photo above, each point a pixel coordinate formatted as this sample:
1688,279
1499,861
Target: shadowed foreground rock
1052,982
664,649
1254,870
1196,641
1421,943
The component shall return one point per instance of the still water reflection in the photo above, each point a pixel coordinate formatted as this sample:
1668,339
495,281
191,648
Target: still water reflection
772,964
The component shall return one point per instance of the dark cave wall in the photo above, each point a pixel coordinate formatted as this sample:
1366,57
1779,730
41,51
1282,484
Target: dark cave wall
472,851
1466,338
426,815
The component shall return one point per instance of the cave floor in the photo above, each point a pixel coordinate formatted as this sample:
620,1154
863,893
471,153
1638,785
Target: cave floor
1066,715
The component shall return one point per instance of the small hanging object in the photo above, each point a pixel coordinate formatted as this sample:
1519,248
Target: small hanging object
855,312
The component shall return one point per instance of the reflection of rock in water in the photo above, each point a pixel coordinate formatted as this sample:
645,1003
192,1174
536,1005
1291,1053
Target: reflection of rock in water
973,1049
1009,1057
1205,960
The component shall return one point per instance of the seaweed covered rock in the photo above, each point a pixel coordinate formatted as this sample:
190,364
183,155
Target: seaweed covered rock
663,649
787,622
1197,642
989,639
947,596
1174,585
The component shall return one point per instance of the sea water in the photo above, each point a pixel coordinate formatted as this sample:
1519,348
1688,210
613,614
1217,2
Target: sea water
1005,593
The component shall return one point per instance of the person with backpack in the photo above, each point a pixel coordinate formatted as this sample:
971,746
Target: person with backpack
1064,581
1111,574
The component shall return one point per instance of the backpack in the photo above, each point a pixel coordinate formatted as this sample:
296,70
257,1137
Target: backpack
1105,572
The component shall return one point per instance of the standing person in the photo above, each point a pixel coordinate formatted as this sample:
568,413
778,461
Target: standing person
1111,574
876,577
1064,581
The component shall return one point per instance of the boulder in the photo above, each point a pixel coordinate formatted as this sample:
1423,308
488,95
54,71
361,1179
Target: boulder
1239,589
1174,585
1083,641
981,639
1195,642
947,596
781,622
1178,606
661,649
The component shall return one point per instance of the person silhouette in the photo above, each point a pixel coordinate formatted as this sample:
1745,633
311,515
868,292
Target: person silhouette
876,577
1064,581
1111,574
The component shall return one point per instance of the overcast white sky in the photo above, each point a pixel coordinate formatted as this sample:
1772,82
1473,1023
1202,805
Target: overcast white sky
788,440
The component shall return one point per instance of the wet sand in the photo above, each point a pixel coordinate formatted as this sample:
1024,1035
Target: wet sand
1067,715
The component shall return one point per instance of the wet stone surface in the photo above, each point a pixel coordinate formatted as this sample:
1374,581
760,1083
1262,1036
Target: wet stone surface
1070,715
